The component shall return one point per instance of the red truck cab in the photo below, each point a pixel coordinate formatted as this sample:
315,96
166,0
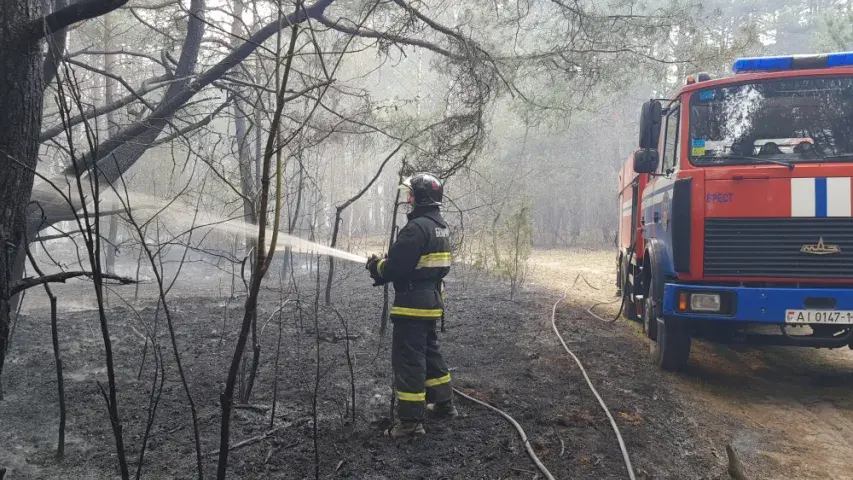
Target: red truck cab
735,212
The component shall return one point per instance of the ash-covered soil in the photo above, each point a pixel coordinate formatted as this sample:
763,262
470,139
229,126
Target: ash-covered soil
501,351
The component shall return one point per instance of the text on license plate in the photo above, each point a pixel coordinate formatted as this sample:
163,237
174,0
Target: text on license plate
840,317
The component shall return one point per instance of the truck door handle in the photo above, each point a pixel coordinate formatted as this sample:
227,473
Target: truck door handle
750,177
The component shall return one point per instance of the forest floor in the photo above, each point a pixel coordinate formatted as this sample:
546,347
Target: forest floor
787,412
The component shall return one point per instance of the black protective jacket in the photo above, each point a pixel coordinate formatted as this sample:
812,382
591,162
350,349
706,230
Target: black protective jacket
417,262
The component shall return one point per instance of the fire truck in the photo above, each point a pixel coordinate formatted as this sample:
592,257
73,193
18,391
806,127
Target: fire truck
735,210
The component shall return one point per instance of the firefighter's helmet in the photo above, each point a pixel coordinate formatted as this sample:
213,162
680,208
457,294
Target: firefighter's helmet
425,188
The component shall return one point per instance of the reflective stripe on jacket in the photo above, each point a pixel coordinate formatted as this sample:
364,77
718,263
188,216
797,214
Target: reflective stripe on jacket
417,262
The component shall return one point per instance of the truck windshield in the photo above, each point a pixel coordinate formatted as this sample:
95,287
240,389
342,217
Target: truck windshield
795,120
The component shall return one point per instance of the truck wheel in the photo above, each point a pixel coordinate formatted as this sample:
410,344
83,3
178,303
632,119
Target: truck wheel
672,349
651,312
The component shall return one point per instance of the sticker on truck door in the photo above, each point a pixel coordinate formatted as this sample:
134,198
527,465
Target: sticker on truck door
820,197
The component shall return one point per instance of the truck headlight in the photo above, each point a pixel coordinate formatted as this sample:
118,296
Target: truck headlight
705,302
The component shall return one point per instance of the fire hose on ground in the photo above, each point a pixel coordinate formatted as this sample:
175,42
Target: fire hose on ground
626,458
530,452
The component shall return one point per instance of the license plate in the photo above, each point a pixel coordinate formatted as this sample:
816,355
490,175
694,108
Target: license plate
835,317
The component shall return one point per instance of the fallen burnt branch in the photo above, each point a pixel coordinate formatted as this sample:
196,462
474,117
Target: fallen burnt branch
263,436
29,282
60,379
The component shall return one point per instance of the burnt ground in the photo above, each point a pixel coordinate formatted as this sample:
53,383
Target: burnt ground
501,351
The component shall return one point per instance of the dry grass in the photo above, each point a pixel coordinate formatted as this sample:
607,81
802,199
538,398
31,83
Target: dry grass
559,269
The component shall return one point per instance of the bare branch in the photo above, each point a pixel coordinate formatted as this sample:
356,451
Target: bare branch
170,105
29,282
130,53
156,6
115,77
369,33
152,27
56,46
147,87
65,17
193,126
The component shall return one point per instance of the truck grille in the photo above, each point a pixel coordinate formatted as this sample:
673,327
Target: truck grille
770,247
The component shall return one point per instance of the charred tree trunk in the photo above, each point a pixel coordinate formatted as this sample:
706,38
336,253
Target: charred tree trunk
17,273
262,262
57,356
56,44
56,48
20,123
287,263
112,239
247,187
241,134
334,243
112,128
54,332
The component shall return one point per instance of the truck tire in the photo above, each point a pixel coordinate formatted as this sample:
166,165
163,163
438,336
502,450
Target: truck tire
670,346
672,349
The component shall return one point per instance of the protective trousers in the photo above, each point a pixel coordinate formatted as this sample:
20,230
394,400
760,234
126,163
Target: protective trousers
420,372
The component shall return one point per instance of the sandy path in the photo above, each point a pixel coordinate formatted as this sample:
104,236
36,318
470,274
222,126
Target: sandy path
792,407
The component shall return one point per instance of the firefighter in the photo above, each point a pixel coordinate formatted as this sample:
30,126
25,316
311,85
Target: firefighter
416,263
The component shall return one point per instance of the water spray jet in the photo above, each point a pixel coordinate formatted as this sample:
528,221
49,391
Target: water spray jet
144,207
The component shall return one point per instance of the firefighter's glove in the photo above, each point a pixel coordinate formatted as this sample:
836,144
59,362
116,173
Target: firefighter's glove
371,260
373,267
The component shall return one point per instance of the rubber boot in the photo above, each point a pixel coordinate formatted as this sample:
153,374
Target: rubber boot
404,429
444,410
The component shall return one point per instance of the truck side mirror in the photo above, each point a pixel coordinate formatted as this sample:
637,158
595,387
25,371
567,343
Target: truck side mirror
650,120
646,160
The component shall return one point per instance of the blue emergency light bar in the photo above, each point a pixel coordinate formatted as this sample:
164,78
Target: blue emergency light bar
792,62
